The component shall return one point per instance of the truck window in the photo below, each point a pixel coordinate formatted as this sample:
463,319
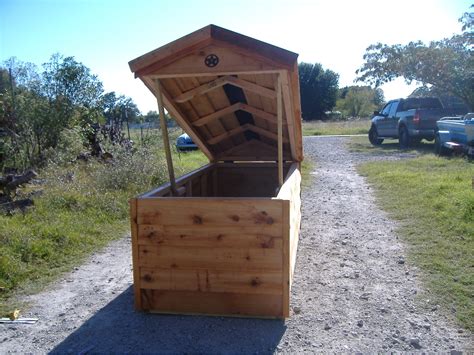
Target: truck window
386,109
422,103
393,109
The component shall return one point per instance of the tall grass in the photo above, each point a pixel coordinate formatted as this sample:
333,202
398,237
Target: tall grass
433,199
82,206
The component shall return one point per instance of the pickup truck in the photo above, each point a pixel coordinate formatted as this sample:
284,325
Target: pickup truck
409,120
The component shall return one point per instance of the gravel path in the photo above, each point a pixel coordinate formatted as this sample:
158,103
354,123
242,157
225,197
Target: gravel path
352,291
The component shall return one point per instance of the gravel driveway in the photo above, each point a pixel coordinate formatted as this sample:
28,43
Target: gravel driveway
352,291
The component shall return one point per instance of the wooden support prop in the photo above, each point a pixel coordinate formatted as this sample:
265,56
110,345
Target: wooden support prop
218,114
270,117
280,130
166,141
246,85
265,133
243,128
233,108
201,90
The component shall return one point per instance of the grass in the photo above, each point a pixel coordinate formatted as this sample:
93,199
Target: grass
320,128
433,199
82,207
362,145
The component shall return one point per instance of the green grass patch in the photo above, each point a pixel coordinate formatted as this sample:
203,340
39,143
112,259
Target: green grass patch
82,207
323,128
433,199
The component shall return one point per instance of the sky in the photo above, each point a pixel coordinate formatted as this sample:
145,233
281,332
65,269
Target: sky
106,34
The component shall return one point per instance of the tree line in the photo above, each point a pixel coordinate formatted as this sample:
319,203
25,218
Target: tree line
40,105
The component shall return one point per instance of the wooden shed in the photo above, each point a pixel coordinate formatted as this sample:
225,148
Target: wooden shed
222,240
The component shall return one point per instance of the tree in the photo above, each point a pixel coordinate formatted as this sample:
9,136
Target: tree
359,101
447,65
37,107
318,88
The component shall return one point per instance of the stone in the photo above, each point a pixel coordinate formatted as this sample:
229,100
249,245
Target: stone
415,342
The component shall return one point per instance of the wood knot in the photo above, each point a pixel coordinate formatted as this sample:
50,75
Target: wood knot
144,251
247,257
197,219
182,236
147,278
255,282
270,243
220,237
263,218
174,266
235,218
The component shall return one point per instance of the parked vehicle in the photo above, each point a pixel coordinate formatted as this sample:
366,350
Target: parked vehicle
455,134
184,142
409,120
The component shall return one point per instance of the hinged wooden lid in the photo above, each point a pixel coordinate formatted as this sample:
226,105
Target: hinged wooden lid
220,86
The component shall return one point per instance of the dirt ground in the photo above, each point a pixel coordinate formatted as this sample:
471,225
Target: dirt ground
353,289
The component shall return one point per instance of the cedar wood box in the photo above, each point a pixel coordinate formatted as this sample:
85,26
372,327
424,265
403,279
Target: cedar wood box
225,242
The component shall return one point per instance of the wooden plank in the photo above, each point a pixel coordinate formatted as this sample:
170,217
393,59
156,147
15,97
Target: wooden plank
243,128
212,303
211,237
209,211
291,191
210,280
231,61
246,85
215,188
295,95
266,133
200,90
286,259
180,118
136,274
227,135
217,83
204,185
189,189
203,106
217,72
220,100
289,113
218,114
165,137
212,258
163,189
280,130
260,113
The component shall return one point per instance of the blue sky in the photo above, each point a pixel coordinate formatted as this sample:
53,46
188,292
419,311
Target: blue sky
106,34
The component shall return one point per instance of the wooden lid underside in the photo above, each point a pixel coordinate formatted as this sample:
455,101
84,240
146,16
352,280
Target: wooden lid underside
220,86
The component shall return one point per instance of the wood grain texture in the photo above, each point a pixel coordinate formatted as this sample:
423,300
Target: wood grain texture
213,258
212,303
135,256
209,212
212,237
212,280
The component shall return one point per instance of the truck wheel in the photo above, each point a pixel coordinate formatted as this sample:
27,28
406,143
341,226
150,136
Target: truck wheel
403,137
438,146
374,137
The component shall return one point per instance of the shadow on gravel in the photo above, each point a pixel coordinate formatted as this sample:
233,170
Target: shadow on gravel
117,328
